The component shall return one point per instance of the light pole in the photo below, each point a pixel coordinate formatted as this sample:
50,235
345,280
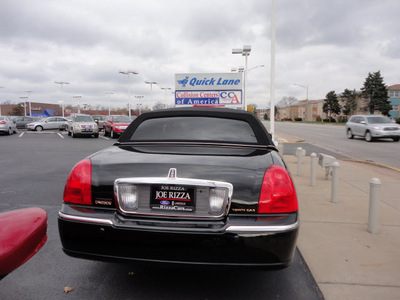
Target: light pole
151,90
30,104
24,99
166,91
304,87
272,70
79,105
62,88
129,72
139,104
109,93
1,87
62,107
244,52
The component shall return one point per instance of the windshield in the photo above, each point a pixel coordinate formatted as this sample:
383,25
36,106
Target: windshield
122,119
83,119
378,120
195,129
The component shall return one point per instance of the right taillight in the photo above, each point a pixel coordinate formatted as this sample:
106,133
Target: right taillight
278,194
78,188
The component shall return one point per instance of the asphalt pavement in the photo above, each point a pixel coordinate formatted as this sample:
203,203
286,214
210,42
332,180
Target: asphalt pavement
346,260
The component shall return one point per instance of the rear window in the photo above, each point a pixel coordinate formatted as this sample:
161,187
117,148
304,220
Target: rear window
194,129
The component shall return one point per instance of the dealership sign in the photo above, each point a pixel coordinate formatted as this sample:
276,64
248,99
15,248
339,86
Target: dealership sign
208,89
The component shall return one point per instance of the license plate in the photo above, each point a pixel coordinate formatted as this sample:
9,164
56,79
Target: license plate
172,197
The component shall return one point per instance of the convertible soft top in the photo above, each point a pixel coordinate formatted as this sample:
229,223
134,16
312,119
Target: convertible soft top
262,135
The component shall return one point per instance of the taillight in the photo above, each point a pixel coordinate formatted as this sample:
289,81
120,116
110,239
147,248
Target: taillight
2,122
278,194
78,188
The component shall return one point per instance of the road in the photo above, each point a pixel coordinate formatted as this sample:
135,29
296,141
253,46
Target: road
34,168
333,137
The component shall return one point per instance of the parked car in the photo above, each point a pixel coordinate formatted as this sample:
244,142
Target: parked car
21,122
116,125
99,119
190,186
81,125
372,127
47,123
7,125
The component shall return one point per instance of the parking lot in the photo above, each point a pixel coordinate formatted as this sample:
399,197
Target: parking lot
35,167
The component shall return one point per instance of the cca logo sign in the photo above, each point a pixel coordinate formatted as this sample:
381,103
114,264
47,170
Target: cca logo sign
229,96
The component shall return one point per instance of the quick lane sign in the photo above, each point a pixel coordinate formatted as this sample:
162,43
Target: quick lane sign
208,89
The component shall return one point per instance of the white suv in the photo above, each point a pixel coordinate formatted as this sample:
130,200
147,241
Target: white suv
81,125
372,127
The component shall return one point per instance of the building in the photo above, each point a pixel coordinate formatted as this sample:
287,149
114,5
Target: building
394,97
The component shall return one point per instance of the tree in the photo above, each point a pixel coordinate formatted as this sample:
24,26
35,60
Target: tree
350,103
159,105
17,110
288,101
331,104
376,92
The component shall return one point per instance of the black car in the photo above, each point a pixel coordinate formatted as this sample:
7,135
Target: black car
189,186
20,122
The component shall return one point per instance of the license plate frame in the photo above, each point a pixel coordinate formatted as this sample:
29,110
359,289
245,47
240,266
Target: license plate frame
174,198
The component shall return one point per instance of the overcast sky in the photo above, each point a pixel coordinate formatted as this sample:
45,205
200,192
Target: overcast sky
325,45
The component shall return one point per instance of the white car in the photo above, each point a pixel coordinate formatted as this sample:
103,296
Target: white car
7,125
47,123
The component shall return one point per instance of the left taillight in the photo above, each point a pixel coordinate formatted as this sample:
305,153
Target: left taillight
78,188
278,194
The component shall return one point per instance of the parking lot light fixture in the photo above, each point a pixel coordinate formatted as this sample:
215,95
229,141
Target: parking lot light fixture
304,87
79,106
166,91
109,93
62,87
245,51
129,72
139,104
151,90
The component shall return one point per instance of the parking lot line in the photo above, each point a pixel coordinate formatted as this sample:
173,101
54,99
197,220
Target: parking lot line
60,135
21,134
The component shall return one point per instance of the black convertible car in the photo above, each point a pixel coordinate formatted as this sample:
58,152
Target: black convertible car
192,186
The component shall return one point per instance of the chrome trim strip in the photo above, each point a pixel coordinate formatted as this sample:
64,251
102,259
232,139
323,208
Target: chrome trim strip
85,219
266,229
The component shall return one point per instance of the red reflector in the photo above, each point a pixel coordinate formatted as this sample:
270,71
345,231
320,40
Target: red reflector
278,194
78,188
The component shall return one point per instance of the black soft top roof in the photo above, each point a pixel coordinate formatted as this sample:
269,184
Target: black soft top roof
262,135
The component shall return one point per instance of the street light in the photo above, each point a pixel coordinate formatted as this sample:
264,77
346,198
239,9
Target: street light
24,99
62,107
129,72
139,104
30,105
244,52
79,106
303,86
62,88
109,93
166,91
151,90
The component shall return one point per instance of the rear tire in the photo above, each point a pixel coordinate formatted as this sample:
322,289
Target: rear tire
396,139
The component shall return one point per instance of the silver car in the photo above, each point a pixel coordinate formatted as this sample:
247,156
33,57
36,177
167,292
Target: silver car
372,127
7,125
47,123
81,125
